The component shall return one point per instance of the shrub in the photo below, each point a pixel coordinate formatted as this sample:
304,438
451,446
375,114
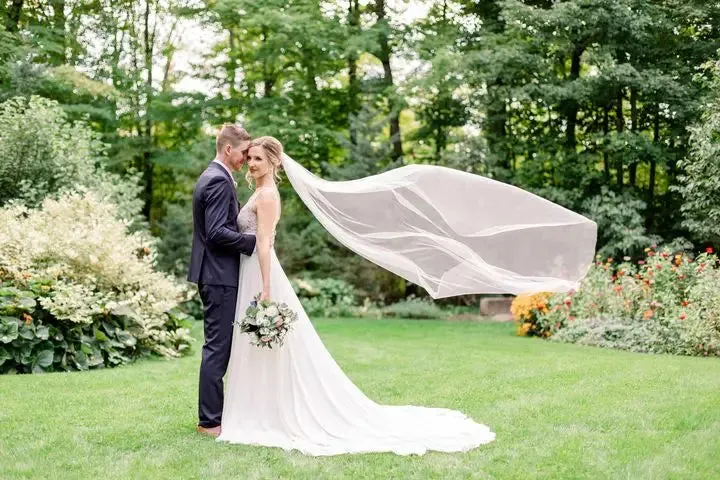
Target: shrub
670,337
620,221
44,154
525,310
76,284
414,307
327,297
664,303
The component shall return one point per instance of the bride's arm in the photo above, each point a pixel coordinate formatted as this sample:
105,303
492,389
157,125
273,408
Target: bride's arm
266,205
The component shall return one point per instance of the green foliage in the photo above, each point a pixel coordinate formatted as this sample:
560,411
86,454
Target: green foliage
327,297
585,102
647,337
621,225
175,229
415,308
700,184
33,340
44,154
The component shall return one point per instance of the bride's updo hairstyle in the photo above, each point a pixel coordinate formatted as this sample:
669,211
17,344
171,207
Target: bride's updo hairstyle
273,152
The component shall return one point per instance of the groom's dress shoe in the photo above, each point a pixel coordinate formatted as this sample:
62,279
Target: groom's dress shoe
213,431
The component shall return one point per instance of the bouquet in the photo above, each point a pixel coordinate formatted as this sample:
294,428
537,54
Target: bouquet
267,322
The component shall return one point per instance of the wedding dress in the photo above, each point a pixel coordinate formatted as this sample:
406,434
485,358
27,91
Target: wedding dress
297,397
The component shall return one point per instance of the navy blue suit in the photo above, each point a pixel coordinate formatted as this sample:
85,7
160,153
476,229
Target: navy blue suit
214,267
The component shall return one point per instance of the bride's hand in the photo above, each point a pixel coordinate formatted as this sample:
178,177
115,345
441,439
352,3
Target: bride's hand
265,295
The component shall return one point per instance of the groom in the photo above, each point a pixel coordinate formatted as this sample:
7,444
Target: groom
214,266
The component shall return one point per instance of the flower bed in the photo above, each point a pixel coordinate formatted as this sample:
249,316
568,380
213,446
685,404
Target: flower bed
665,303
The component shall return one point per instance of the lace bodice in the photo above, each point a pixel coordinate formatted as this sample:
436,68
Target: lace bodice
247,217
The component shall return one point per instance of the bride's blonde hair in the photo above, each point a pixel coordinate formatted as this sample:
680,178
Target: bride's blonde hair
273,151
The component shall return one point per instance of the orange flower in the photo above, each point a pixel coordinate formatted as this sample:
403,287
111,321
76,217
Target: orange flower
522,329
647,314
28,319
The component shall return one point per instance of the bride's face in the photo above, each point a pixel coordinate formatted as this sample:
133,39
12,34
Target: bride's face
258,163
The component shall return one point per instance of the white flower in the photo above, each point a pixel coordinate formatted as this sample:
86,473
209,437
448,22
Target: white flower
271,311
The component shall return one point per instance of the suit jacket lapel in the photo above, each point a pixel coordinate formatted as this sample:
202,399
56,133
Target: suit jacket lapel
229,177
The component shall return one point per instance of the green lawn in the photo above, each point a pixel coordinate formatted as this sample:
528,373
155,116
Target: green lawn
560,411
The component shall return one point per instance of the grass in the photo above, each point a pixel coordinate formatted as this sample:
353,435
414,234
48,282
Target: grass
559,411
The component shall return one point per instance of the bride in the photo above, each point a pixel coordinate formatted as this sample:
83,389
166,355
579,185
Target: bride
296,396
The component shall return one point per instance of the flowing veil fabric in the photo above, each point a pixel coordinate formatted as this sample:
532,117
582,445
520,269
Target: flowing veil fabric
452,232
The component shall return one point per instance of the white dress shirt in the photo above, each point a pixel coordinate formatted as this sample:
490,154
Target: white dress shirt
227,170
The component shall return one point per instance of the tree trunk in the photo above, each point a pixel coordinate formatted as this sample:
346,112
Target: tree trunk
572,104
353,86
606,132
59,21
632,168
384,56
496,128
147,154
650,212
620,127
268,80
12,21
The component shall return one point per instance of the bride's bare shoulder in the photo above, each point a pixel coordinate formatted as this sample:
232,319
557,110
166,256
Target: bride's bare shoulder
267,197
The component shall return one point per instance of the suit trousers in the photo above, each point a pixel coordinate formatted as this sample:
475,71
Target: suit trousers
219,304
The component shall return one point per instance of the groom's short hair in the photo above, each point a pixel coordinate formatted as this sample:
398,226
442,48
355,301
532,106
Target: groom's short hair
231,134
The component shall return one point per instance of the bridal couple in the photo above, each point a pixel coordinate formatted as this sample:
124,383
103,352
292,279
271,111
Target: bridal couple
295,396
451,232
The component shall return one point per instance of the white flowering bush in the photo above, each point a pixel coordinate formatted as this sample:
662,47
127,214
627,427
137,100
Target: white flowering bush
78,291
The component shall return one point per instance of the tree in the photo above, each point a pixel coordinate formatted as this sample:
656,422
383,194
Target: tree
700,184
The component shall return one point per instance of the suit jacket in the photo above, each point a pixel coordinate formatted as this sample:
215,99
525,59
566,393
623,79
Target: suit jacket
217,243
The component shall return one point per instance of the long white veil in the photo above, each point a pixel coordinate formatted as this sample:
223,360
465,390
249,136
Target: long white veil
452,232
